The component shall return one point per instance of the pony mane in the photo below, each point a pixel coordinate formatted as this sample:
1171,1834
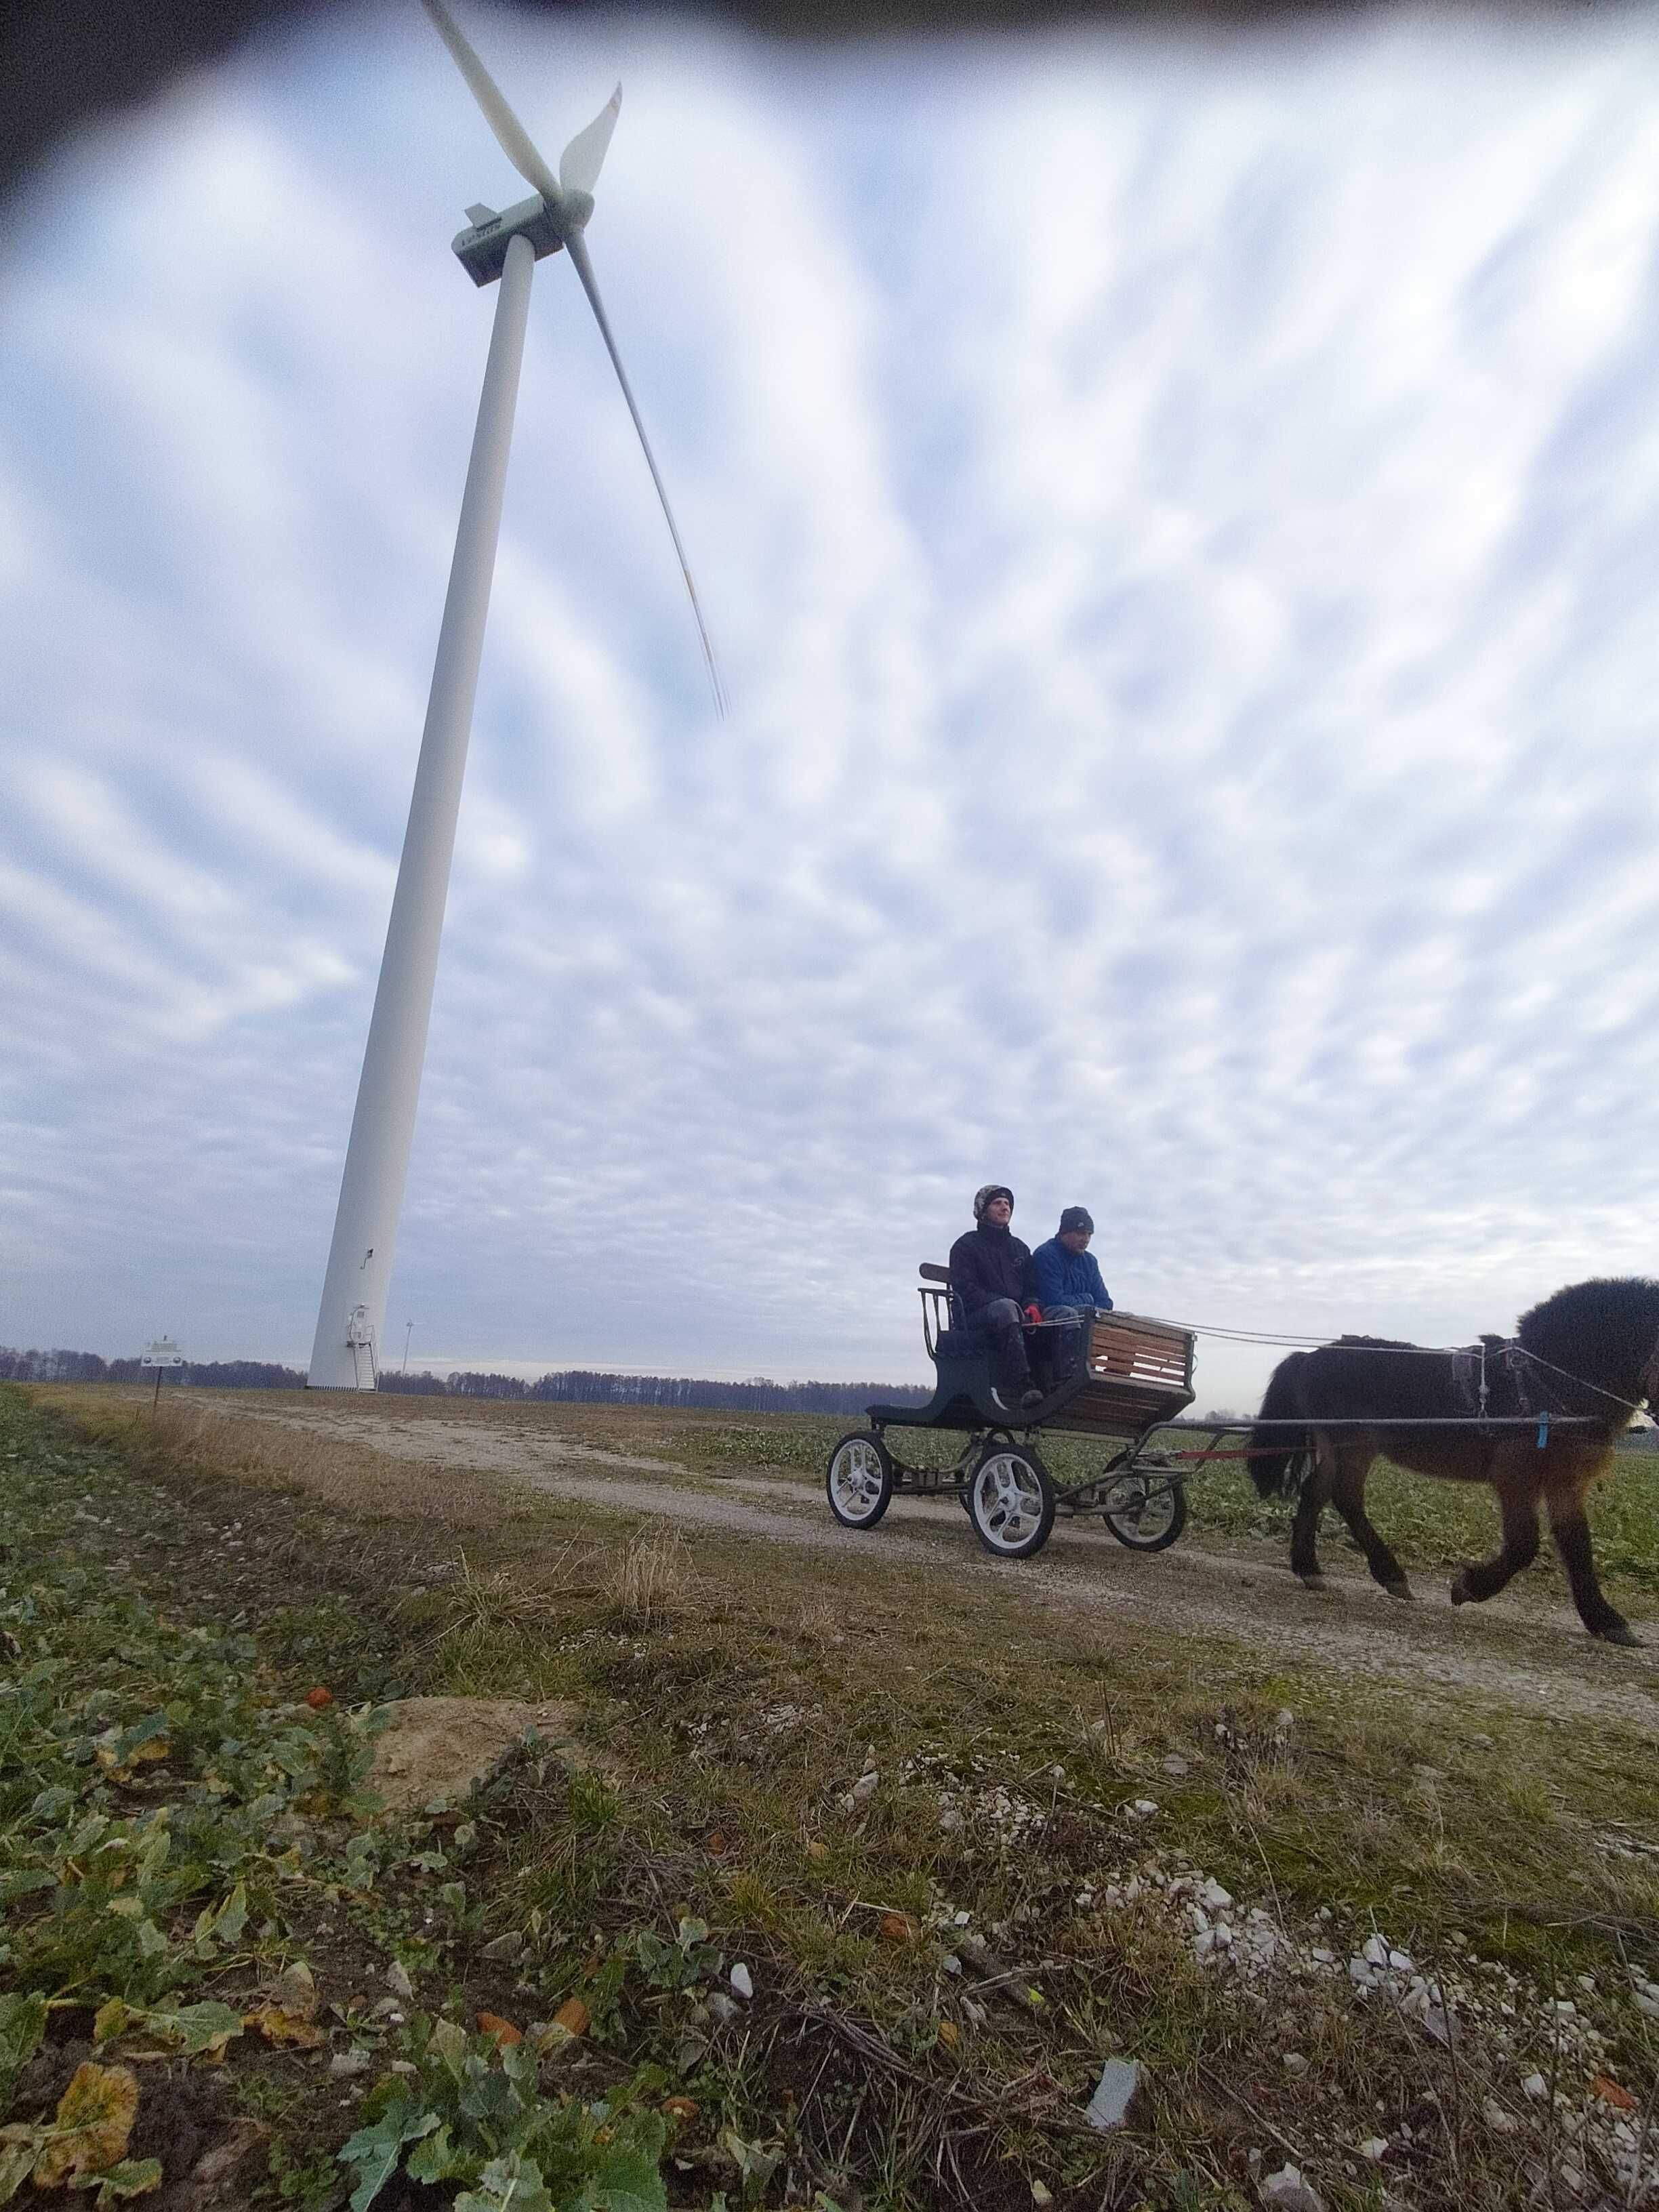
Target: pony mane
1376,1343
1604,1330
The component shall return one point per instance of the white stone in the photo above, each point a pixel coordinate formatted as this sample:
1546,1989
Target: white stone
1174,1763
1374,1951
742,1981
1144,1808
1287,2189
1213,1898
1294,2063
1107,2109
864,1787
398,1981
1374,2148
1536,2086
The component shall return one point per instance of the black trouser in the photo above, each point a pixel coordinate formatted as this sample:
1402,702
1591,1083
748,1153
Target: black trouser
1000,1326
1060,1345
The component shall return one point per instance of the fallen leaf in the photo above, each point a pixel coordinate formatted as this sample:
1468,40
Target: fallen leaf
319,1698
899,1928
572,2016
815,1850
288,2014
215,2167
119,1769
196,2030
279,2026
133,2176
95,2118
683,2109
504,2032
1610,2093
716,1843
949,2034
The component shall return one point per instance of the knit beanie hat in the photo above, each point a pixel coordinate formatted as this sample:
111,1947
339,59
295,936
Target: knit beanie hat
985,1193
1076,1217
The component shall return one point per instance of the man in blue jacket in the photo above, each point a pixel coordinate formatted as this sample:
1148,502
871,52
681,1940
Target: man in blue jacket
1066,1278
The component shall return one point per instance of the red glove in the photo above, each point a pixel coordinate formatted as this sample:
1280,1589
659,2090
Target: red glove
1034,1314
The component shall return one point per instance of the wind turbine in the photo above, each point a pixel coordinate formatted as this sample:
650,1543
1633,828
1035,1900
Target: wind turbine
506,245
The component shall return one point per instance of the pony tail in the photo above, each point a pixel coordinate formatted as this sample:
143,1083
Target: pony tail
1284,1444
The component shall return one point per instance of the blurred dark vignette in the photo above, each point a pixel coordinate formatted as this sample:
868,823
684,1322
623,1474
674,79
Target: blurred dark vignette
65,64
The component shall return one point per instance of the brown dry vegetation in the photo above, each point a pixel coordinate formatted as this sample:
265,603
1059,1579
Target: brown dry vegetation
893,2056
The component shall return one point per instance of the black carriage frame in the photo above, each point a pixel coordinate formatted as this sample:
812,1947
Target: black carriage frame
1128,1376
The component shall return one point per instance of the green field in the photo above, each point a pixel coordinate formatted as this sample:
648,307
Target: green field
908,1814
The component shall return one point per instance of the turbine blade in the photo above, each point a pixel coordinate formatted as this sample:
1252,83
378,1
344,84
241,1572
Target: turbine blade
576,247
510,134
584,157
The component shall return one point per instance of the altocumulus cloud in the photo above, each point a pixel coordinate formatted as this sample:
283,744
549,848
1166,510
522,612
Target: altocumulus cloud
1179,522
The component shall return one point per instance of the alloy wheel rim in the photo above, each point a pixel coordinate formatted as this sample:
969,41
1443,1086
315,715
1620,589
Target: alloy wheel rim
856,1479
1007,1500
1150,1510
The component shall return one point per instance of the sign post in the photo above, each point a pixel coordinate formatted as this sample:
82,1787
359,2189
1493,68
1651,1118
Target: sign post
160,1355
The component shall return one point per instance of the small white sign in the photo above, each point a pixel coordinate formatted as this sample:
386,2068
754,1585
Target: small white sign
164,1352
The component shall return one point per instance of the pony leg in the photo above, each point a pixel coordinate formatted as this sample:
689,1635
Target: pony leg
1310,1505
1348,1496
1570,1530
1484,1578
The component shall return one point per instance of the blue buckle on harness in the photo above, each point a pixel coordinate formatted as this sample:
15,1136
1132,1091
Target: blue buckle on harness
1543,1429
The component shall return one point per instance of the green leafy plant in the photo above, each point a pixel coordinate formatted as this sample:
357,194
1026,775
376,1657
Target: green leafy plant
678,1965
473,2111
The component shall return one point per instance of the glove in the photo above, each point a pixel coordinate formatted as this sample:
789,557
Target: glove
1034,1314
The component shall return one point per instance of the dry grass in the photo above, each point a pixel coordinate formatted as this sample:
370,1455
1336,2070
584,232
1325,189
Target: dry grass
655,1578
198,1438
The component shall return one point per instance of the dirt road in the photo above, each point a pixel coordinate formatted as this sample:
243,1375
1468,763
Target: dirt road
1514,1650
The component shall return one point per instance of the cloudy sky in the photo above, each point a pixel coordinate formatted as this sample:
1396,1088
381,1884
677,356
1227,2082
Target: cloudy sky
1180,524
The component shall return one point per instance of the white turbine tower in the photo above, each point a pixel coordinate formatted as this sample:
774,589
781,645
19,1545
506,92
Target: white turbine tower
507,246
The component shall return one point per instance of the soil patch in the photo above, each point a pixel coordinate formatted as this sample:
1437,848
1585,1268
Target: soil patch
436,1749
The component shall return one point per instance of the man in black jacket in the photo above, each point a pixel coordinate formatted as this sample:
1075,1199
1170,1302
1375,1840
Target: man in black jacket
991,1276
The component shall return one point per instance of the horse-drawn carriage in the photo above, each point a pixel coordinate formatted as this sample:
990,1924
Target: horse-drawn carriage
1537,1416
1128,1376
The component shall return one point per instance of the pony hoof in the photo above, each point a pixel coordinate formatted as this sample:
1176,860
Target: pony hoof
1623,1634
1402,1590
1315,1581
1461,1592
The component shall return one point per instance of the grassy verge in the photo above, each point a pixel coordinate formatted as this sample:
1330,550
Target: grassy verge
841,1895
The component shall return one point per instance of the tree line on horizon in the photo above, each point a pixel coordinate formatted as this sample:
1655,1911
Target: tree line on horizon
572,1386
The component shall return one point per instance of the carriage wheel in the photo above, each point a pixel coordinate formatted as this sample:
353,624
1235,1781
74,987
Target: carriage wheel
1147,1512
860,1482
1011,1502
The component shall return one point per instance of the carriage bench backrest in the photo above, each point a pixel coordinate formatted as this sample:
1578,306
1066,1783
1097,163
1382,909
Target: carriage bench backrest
1139,1369
938,1306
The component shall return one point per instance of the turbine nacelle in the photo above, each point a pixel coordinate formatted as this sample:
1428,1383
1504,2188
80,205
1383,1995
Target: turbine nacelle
482,250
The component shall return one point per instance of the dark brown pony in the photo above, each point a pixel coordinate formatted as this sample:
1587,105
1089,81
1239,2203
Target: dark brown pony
1591,1351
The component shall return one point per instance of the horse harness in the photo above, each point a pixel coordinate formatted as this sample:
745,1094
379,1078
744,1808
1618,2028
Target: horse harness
1498,1378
